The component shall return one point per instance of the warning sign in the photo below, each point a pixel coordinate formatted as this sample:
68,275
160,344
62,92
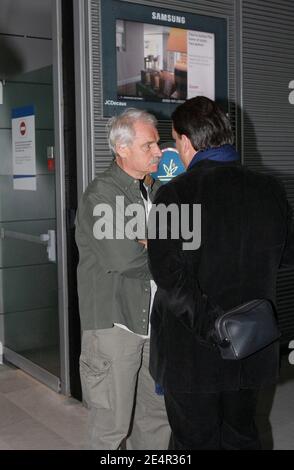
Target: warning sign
24,149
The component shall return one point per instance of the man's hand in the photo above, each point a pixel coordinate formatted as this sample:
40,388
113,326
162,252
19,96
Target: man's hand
143,242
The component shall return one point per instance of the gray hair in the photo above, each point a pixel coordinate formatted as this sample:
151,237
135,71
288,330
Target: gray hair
120,128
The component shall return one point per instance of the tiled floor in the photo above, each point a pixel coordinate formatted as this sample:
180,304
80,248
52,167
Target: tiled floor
276,412
34,417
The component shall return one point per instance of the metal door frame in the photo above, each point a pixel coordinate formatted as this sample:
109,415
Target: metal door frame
61,238
62,383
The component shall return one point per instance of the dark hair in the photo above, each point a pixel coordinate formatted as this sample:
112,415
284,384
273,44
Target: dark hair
203,122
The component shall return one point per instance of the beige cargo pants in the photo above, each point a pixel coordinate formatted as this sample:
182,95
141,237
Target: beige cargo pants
120,393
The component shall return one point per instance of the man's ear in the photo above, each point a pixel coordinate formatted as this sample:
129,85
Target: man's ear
187,146
121,150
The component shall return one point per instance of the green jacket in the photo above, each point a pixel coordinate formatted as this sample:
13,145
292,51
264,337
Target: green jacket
113,275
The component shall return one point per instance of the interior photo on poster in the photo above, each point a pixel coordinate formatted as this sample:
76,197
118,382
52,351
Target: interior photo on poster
165,64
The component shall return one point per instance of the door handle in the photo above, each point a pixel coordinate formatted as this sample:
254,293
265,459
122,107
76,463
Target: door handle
48,239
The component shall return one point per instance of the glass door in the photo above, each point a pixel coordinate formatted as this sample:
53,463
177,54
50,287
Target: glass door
32,319
28,227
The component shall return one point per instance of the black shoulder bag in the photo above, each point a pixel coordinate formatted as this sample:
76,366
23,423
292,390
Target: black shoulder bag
246,329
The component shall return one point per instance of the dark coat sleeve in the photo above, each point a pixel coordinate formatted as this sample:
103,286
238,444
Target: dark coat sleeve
173,272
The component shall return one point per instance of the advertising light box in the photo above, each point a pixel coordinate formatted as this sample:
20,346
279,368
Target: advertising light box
154,59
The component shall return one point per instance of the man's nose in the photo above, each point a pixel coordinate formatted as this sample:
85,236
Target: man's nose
157,151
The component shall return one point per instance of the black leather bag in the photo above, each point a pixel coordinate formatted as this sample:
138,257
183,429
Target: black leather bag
246,329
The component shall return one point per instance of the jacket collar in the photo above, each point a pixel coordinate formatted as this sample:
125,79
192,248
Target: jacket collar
127,181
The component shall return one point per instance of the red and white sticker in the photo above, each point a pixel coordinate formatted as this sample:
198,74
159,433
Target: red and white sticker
23,128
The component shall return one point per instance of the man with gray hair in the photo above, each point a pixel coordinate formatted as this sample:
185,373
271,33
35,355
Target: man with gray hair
116,293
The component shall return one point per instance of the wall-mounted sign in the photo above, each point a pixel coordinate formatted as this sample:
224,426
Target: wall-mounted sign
156,59
24,149
170,164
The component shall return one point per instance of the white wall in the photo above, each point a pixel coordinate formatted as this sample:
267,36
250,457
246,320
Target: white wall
131,62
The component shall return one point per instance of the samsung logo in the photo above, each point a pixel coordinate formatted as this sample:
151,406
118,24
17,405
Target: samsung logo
168,18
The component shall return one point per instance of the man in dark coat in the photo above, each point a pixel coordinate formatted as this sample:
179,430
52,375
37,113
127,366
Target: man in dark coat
246,235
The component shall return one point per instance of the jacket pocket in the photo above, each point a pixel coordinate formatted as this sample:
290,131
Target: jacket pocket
95,379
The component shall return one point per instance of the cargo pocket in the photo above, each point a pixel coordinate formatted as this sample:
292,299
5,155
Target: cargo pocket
95,379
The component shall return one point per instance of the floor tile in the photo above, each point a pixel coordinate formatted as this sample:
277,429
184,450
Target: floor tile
283,436
15,381
10,414
4,446
66,417
32,435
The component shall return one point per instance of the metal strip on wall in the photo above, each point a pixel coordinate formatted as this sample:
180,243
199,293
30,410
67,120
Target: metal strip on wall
268,117
223,8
